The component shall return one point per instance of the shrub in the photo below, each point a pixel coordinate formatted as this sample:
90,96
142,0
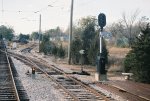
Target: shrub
138,59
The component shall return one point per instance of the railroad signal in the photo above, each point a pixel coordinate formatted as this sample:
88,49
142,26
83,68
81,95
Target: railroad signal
100,59
101,20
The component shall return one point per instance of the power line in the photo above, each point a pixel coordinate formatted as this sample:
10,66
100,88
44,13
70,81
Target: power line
27,14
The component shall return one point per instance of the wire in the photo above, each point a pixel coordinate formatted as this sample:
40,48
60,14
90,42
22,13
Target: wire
32,13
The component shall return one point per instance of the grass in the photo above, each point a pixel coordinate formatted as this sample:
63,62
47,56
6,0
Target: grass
116,58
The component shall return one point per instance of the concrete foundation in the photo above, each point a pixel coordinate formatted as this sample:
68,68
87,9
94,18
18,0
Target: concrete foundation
97,77
100,77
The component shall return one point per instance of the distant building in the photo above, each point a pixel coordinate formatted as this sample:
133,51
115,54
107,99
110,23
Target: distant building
14,45
61,38
23,41
107,36
52,39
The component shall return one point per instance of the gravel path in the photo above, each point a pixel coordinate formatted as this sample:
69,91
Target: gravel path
38,87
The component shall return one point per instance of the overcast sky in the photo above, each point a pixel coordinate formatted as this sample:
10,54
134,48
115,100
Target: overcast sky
20,14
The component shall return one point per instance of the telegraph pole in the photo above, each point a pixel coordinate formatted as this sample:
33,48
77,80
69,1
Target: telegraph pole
70,33
39,31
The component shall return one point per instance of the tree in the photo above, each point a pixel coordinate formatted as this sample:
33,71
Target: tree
125,30
118,31
76,46
88,36
143,22
23,36
61,52
46,37
54,33
6,32
129,22
46,46
93,50
54,51
84,22
35,35
87,40
138,59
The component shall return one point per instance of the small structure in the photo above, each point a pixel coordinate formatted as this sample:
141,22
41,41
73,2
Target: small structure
127,76
14,45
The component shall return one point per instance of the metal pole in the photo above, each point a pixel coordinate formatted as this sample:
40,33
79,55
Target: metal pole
100,35
39,31
70,33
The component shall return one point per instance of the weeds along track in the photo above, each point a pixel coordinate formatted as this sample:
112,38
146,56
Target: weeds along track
10,87
73,90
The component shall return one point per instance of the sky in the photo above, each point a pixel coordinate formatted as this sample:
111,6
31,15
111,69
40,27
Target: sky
23,15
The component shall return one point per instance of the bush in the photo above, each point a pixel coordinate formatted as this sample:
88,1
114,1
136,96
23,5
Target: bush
138,59
46,47
76,46
61,52
54,51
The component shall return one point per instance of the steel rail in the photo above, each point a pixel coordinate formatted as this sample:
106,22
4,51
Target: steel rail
10,70
83,85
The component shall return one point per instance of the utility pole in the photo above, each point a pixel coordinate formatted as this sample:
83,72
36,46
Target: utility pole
70,33
39,31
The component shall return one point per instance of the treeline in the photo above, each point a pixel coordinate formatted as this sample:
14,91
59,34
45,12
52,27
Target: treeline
124,31
85,37
6,32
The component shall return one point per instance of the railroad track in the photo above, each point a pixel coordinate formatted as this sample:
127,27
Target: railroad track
28,49
10,87
74,90
72,87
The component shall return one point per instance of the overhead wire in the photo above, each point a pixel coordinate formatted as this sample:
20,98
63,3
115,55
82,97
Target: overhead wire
30,13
